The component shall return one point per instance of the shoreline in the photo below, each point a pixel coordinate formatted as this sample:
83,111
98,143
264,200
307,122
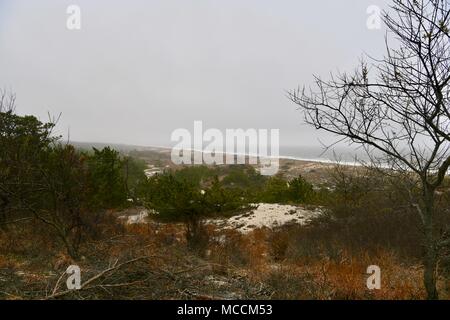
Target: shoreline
164,149
280,157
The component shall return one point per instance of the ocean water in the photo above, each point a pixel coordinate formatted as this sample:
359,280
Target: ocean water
319,153
313,153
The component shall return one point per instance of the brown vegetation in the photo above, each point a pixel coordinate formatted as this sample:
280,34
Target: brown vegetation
153,261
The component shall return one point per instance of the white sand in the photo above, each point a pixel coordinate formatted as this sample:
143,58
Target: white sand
138,218
267,215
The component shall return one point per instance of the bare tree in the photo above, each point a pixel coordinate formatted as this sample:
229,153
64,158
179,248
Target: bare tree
398,106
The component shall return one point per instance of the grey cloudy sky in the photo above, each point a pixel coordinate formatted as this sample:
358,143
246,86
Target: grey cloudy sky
137,70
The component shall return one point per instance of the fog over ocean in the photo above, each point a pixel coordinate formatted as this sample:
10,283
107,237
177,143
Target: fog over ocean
319,153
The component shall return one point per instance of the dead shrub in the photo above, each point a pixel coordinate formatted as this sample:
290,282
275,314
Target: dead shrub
278,244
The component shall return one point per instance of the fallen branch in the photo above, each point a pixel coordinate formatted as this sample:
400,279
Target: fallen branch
85,284
55,289
15,221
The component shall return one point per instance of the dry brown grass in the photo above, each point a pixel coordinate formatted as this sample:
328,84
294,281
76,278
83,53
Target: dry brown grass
258,265
321,277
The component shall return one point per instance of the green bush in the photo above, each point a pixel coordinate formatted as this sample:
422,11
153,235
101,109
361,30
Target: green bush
276,190
190,195
279,190
107,180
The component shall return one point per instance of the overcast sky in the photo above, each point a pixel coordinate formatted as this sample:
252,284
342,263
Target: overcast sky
137,70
